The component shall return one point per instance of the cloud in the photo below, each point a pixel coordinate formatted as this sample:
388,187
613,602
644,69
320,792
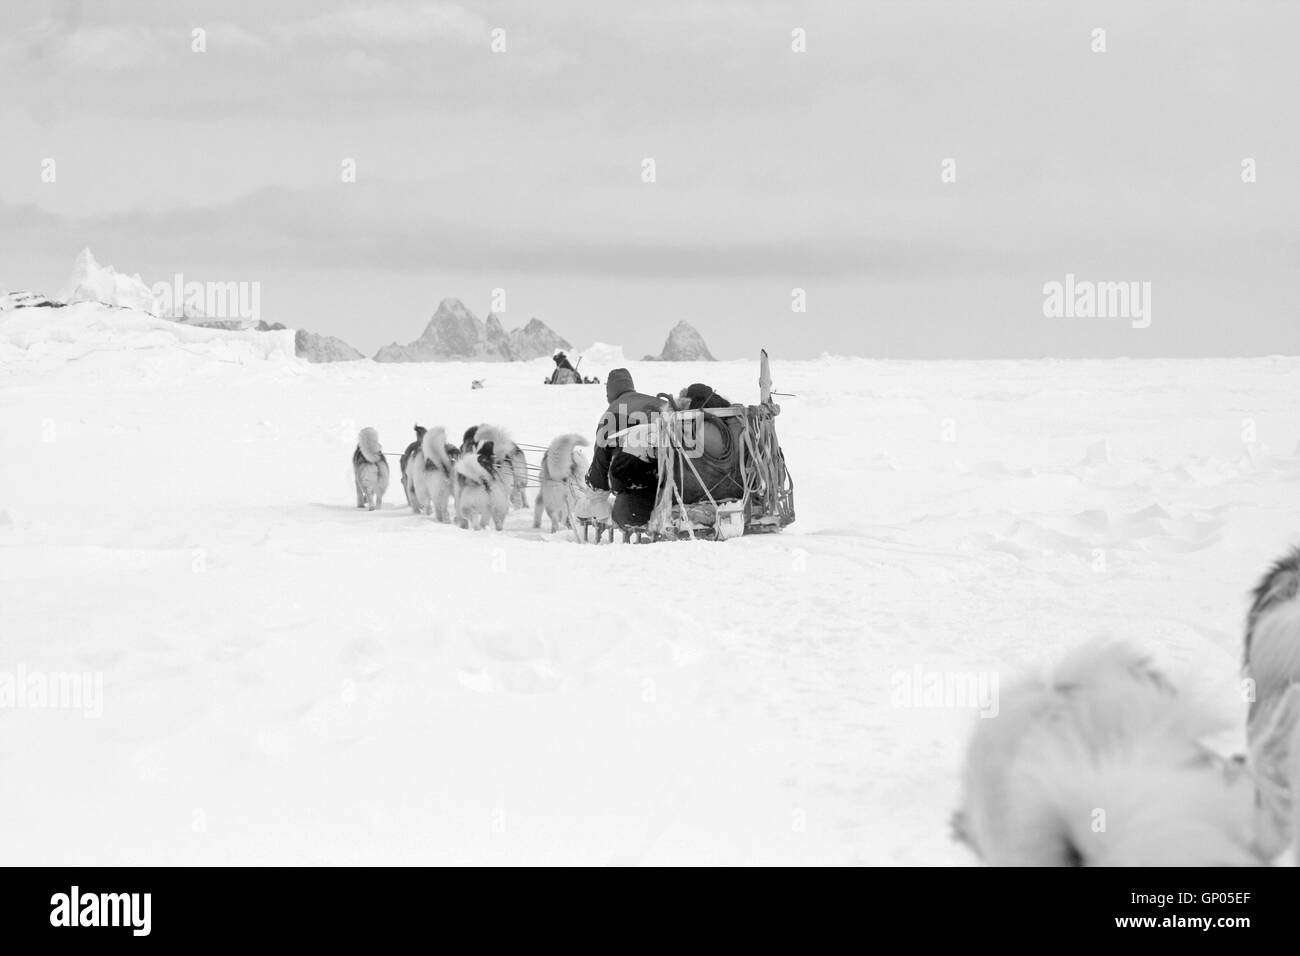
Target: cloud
65,40
394,24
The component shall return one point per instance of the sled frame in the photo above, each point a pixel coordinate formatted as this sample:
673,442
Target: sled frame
768,496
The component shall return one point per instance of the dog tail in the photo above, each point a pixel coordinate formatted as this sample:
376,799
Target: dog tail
499,438
434,447
471,470
368,444
561,457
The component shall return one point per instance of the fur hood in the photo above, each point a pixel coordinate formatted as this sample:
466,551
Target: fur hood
618,383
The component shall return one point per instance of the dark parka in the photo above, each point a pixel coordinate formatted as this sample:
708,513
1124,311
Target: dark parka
627,407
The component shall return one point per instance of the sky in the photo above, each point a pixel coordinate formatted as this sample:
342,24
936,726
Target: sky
775,169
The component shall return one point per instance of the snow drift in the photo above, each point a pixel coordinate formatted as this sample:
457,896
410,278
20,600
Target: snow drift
599,358
46,339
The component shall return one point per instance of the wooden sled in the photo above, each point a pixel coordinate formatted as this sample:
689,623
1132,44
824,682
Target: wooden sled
767,502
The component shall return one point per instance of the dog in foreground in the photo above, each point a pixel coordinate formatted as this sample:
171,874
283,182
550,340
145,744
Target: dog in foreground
430,473
1102,765
561,480
1272,670
370,469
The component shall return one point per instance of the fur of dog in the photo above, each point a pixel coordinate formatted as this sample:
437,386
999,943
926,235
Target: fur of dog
593,510
510,458
407,455
432,474
370,469
1107,734
561,479
1272,665
482,491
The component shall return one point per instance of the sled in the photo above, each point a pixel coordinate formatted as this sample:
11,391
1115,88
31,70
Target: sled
568,376
766,503
563,376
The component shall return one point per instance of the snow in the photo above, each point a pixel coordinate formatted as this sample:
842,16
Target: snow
91,282
287,679
116,341
602,358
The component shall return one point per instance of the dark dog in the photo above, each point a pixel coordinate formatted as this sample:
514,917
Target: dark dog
411,449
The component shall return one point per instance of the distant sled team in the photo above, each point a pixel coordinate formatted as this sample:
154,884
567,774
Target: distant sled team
1104,764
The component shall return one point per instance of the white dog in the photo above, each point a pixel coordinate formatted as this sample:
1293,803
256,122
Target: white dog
370,470
482,489
1273,722
431,475
1103,766
561,480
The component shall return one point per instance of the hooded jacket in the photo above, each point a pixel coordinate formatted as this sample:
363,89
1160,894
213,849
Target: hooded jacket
627,407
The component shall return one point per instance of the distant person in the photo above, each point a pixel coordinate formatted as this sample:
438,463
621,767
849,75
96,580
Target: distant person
565,373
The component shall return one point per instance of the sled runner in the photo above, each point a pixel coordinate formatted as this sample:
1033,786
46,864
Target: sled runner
739,487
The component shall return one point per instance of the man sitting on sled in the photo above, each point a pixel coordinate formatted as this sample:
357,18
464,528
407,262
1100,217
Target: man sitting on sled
631,473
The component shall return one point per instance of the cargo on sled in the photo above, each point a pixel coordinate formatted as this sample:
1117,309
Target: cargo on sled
721,471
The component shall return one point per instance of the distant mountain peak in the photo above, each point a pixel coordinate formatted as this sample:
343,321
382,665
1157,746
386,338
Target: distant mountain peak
684,344
454,333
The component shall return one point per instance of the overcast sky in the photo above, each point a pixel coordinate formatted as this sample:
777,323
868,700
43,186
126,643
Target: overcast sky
775,169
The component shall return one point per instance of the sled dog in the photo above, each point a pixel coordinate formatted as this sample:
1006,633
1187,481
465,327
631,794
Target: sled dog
431,474
1102,765
370,469
561,479
407,455
510,458
1272,669
482,489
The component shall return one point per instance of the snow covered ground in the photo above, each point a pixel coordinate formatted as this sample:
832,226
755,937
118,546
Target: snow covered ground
287,679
